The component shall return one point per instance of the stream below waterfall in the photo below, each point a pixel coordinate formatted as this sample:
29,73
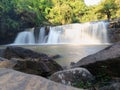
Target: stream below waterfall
68,52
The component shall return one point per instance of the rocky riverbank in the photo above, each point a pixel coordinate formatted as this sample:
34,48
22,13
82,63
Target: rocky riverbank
99,71
114,30
29,61
104,66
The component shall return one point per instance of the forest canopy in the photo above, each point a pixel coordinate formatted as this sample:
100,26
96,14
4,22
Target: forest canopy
32,13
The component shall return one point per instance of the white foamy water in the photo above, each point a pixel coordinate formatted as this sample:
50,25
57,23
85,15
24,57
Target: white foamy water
26,37
86,33
81,33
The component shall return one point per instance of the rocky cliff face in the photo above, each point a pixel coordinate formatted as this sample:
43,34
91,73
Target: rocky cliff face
114,30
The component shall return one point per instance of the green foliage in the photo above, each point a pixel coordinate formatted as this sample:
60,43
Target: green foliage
102,79
66,11
18,13
39,8
82,84
8,15
108,8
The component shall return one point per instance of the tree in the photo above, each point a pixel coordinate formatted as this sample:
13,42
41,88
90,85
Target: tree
118,6
9,19
66,11
36,10
108,8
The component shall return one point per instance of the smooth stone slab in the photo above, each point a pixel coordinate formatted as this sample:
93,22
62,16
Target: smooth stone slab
14,80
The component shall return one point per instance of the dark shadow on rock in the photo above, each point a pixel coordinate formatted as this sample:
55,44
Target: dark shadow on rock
37,66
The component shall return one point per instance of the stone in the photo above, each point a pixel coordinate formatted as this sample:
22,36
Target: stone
106,61
36,66
55,56
114,30
115,23
5,63
14,80
31,62
72,76
114,35
19,52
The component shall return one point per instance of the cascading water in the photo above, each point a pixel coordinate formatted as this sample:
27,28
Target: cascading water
86,33
25,37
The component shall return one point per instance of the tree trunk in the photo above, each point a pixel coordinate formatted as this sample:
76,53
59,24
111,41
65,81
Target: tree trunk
108,15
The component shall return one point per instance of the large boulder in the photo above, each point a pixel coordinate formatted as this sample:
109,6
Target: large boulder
36,66
73,76
106,61
31,62
14,80
19,52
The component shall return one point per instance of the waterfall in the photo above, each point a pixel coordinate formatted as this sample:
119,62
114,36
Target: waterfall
79,33
85,33
25,37
54,35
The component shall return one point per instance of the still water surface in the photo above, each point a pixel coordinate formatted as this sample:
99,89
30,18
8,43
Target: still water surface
69,53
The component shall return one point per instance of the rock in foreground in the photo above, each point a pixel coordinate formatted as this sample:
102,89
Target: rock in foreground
14,80
73,76
105,61
31,62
